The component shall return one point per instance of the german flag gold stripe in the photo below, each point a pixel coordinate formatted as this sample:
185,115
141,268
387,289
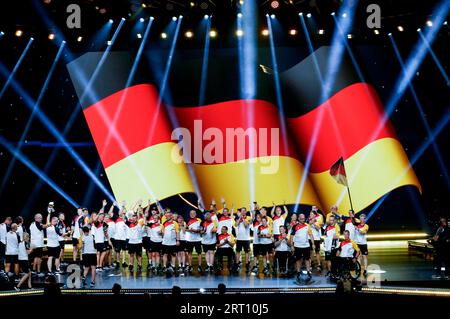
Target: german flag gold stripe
373,171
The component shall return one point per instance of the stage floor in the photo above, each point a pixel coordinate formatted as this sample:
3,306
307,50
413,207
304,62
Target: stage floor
396,263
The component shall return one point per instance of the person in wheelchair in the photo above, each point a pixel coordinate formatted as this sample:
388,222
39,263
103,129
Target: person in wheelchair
225,243
346,254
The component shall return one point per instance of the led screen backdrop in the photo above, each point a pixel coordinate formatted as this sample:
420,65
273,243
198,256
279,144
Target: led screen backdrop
159,134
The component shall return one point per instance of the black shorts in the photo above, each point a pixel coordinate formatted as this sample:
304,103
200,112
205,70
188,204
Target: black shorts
75,241
135,249
317,246
101,247
182,246
119,245
330,255
302,253
53,251
146,243
169,249
155,247
265,249
242,245
37,252
89,260
25,266
210,247
190,245
256,249
11,259
363,249
2,249
62,244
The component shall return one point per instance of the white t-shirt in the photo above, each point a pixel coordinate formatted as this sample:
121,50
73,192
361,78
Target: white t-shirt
194,224
283,246
170,229
350,227
52,237
243,230
23,247
225,221
36,235
121,230
301,234
264,230
277,222
210,235
12,243
3,233
88,245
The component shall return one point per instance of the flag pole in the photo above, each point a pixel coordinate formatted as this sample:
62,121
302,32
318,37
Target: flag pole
350,198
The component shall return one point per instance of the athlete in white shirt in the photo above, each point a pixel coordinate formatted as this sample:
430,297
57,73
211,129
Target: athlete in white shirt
37,243
89,254
181,253
193,240
4,229
315,221
12,240
301,240
24,252
171,239
209,240
53,247
243,237
282,251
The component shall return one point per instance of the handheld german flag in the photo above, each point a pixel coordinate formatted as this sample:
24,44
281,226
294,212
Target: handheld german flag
337,171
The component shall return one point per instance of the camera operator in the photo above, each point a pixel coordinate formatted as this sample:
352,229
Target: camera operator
441,243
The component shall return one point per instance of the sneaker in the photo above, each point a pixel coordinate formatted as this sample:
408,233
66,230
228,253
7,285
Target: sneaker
50,273
124,264
319,269
139,268
199,269
131,268
58,271
16,288
99,269
92,285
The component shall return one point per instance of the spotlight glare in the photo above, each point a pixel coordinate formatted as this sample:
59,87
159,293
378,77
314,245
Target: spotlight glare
192,4
111,21
239,15
445,22
51,36
308,15
123,19
142,19
321,31
275,4
333,13
300,13
376,32
109,42
349,36
164,35
400,28
390,34
429,23
188,34
419,29
174,18
2,33
139,36
239,33
152,18
292,32
344,15
212,33
19,33
265,32
205,16
272,16
79,38
144,5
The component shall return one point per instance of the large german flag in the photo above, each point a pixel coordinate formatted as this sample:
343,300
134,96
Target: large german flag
133,125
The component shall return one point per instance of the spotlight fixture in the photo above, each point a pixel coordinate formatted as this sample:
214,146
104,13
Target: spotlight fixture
205,16
51,36
445,23
152,18
419,29
321,31
275,4
333,13
300,13
123,19
265,32
400,28
188,34
349,36
292,32
192,4
376,31
390,34
239,15
174,18
19,33
344,15
142,19
272,16
109,42
2,33
139,36
110,21
79,38
144,5
212,33
308,15
239,33
163,35
429,23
